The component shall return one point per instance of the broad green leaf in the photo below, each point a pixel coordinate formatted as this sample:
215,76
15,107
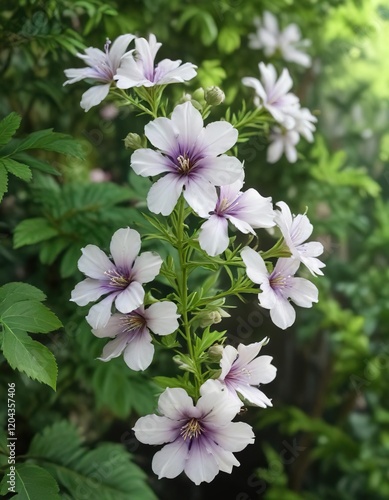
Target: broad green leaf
30,316
228,39
16,292
31,231
8,126
35,483
36,163
3,181
29,356
16,168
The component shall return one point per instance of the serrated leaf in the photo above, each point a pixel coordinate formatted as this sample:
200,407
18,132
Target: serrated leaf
29,356
16,292
36,163
31,231
30,316
8,126
34,483
3,181
16,168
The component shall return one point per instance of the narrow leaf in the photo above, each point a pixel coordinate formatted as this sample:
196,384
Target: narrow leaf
16,168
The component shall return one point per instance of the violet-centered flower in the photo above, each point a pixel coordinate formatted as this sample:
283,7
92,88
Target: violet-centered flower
201,438
132,336
279,286
120,279
191,158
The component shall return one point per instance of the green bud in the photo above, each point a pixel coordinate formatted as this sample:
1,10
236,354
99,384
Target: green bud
214,96
198,95
215,353
134,141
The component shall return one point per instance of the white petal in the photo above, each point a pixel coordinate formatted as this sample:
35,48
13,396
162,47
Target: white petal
154,429
163,195
146,267
256,85
229,356
200,464
275,150
118,48
218,408
287,266
254,210
183,73
282,314
130,298
94,263
139,353
220,170
314,265
94,96
162,134
247,353
147,163
284,218
125,246
200,195
189,122
255,265
234,436
130,73
290,153
176,404
261,370
114,348
87,291
161,318
213,237
301,229
77,74
170,461
218,138
114,327
100,313
225,459
254,395
303,292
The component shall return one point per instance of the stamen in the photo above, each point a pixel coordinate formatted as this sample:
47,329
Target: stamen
133,321
185,165
117,280
278,281
192,429
107,44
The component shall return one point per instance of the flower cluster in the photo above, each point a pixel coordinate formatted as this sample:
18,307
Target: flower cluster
273,94
197,191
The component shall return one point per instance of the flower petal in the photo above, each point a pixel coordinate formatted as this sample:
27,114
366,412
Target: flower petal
163,195
139,353
189,122
100,313
94,263
170,461
154,429
118,48
282,314
87,291
213,237
146,267
162,134
218,408
147,163
220,170
303,292
200,464
218,137
254,395
234,436
261,370
125,246
176,404
200,195
114,327
161,317
114,348
94,96
225,459
183,73
229,356
255,265
130,298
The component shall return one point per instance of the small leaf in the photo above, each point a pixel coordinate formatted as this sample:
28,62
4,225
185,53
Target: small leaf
3,181
16,168
31,231
29,356
34,483
30,316
8,126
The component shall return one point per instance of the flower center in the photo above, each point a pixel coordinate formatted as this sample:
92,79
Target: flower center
133,321
192,429
117,280
277,281
184,164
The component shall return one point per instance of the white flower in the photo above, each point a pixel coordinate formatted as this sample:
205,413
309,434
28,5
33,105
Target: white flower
296,230
304,122
279,286
201,439
191,157
121,280
274,94
271,39
245,211
132,335
102,67
242,372
137,68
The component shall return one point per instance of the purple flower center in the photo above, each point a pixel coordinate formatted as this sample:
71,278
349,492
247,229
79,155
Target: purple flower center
184,164
278,282
132,322
118,279
191,429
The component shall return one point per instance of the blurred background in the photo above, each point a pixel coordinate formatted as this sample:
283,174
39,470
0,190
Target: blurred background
327,435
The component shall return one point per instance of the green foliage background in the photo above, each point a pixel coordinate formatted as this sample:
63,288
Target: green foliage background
326,436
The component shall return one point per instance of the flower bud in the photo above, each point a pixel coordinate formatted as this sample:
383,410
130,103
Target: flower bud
208,318
215,353
133,141
214,96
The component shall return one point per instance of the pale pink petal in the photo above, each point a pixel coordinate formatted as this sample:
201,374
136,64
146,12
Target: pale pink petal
201,466
87,291
170,461
161,317
254,396
125,246
154,429
282,314
114,348
255,265
162,134
164,194
94,96
218,137
147,163
100,313
139,353
130,298
114,327
303,292
213,237
146,267
94,263
189,122
200,195
220,170
234,436
118,48
176,404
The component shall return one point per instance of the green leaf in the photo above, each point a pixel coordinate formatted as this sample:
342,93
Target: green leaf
228,39
30,316
29,356
16,292
3,181
34,483
8,126
36,163
106,472
16,168
31,231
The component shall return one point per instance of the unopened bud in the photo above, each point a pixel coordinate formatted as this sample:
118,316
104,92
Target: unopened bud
215,353
133,141
214,96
